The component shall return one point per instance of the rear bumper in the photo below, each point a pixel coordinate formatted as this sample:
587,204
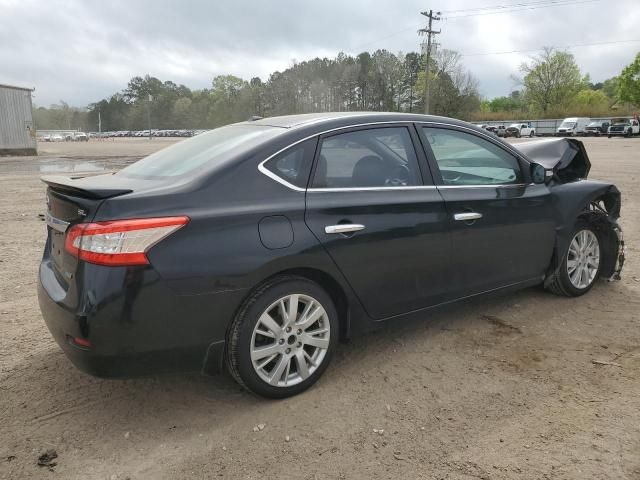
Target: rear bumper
134,327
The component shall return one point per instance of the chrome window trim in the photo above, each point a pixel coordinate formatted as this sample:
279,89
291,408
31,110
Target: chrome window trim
289,185
495,185
372,189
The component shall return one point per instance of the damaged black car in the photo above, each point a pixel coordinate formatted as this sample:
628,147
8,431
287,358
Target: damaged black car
257,246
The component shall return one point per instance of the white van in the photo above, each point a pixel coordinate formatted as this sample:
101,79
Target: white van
573,126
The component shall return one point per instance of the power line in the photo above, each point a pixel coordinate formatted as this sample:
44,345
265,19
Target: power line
558,47
511,5
395,34
521,9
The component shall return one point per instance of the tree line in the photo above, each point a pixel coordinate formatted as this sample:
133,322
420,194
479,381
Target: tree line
551,85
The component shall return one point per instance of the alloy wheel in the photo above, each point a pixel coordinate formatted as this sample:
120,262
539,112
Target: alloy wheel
583,259
290,340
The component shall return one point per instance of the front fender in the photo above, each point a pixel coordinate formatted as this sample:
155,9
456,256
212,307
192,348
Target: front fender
575,199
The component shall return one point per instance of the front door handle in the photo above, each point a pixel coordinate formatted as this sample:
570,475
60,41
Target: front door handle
343,228
467,216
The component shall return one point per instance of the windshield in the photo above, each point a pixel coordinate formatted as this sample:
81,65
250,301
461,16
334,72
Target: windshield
594,124
566,124
206,151
621,121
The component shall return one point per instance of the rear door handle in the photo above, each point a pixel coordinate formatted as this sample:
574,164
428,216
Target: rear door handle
467,216
343,228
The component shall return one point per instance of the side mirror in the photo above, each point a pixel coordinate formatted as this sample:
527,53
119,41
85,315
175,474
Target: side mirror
539,174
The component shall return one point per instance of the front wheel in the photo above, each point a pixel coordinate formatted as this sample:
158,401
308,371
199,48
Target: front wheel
581,263
282,339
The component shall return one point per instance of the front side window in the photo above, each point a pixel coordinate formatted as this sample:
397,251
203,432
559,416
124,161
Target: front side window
465,159
378,157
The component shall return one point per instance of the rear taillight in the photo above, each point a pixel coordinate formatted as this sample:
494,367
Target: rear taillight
120,242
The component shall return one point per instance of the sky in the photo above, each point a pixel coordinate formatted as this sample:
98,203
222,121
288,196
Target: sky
81,51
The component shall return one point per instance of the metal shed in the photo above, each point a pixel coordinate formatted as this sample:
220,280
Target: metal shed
17,132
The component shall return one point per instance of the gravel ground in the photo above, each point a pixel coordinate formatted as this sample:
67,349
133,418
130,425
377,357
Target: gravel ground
495,388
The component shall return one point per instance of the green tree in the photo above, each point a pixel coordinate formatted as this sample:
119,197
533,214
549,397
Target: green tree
503,104
551,80
629,83
593,100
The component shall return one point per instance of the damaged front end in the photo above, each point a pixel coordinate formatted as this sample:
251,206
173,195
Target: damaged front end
613,240
575,197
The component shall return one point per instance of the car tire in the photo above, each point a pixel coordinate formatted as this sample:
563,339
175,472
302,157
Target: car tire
608,136
295,364
532,134
564,280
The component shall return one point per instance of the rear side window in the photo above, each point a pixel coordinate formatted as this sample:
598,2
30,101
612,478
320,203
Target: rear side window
378,157
465,159
294,164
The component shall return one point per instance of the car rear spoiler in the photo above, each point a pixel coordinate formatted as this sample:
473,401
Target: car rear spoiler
84,187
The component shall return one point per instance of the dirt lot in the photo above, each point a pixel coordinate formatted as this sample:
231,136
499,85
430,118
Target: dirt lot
498,388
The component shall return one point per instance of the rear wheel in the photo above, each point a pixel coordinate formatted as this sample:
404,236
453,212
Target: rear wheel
283,337
532,134
581,263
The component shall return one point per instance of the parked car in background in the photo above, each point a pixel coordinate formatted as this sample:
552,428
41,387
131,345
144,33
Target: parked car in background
573,126
80,137
624,127
501,131
520,130
597,128
259,245
57,138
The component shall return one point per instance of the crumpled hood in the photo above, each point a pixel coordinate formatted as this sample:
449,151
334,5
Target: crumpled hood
567,157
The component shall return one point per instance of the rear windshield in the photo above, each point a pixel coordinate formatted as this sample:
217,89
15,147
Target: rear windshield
204,152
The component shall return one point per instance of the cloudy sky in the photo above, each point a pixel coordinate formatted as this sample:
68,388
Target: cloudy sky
80,51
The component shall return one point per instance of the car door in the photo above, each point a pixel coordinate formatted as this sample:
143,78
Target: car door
380,218
502,226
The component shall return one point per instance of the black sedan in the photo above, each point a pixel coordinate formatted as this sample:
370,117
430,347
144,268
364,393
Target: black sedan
258,246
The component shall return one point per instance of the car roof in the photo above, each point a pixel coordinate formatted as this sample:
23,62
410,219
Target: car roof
339,119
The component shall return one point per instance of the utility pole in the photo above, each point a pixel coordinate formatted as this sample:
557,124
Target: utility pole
99,122
429,32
